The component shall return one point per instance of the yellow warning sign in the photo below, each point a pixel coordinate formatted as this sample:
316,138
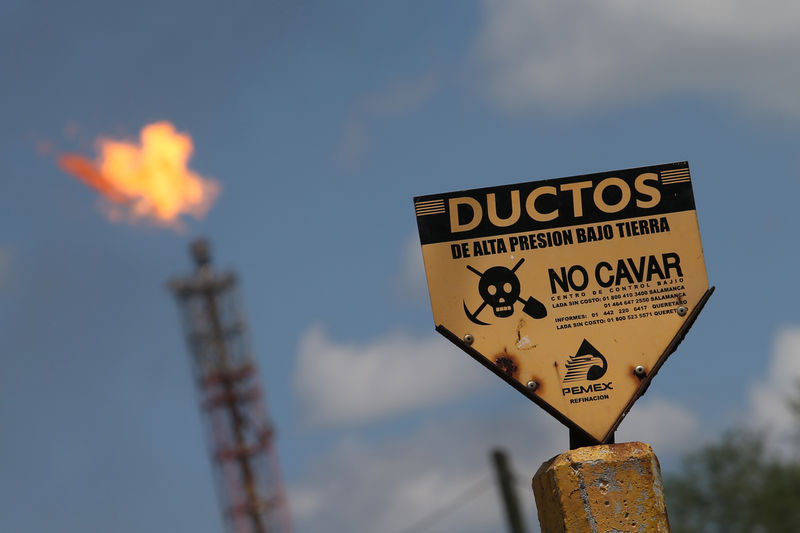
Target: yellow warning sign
574,290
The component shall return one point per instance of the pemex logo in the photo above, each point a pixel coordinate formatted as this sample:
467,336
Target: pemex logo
587,364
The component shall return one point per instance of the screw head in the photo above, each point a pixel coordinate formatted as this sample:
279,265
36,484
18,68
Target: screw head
639,371
682,311
469,339
532,385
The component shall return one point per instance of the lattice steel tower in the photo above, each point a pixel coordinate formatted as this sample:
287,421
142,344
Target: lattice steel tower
249,483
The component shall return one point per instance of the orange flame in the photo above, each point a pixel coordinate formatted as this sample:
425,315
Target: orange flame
149,179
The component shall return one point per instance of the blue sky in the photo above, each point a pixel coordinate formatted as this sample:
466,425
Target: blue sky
321,121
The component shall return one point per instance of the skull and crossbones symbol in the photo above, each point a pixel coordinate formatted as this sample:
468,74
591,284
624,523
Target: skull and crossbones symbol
500,289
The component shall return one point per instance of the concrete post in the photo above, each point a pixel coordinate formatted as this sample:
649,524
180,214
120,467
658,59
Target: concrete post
602,489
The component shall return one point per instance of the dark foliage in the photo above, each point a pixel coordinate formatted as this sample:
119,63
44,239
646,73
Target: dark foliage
735,485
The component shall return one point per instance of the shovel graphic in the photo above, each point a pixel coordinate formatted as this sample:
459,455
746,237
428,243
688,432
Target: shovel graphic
533,307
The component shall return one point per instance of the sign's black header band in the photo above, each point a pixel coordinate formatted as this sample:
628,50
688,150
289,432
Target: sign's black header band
554,203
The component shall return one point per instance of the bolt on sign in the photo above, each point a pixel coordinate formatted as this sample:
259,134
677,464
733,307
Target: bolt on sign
573,290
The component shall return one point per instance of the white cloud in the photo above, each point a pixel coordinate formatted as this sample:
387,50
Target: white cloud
390,486
666,426
401,97
584,54
410,279
769,396
398,99
353,142
349,383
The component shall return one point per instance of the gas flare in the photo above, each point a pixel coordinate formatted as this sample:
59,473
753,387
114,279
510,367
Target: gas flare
148,179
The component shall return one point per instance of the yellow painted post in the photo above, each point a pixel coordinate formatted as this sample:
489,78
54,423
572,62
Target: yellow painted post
601,489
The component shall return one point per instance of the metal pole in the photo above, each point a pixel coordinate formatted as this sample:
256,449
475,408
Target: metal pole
509,495
580,439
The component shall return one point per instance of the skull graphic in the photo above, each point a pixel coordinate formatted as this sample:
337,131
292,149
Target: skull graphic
499,288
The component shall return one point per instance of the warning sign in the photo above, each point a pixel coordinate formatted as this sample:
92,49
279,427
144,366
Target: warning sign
574,290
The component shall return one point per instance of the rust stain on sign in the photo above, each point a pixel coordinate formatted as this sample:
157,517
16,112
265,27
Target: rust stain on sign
508,364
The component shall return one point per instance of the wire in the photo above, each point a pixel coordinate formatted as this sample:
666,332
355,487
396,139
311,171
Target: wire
462,499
